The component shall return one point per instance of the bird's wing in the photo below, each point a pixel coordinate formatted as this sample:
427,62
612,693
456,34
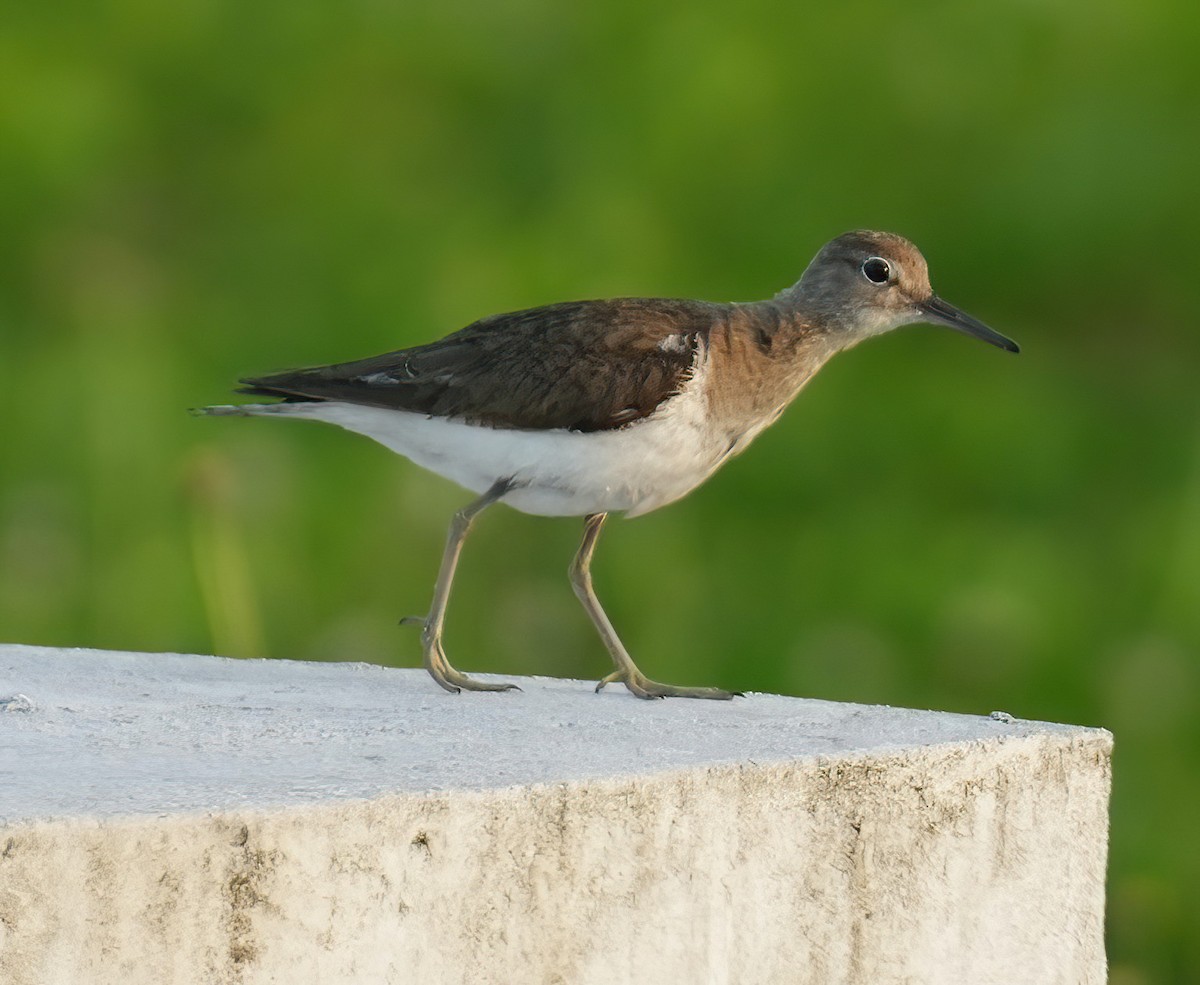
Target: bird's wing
582,365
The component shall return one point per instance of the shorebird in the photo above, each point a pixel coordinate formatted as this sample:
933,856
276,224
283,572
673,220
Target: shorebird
588,408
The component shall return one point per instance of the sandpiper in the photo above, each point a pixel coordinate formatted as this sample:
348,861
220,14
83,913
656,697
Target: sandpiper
588,408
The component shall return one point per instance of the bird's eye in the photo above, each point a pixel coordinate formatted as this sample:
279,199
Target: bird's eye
877,270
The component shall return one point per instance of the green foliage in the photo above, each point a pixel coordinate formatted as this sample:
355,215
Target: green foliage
197,190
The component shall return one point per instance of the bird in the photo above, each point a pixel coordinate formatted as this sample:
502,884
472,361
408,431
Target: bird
618,406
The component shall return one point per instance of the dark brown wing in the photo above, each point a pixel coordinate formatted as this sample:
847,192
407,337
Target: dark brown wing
583,365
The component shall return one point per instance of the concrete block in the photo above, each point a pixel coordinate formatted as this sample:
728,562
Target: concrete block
173,818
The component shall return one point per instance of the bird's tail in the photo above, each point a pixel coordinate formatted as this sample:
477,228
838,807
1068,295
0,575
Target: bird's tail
243,410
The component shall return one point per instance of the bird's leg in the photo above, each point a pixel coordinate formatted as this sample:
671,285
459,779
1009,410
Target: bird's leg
431,625
626,671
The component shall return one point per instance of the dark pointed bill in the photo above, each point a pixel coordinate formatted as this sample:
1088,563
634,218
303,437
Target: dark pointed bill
938,312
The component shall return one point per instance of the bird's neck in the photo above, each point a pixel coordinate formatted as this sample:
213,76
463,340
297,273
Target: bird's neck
759,359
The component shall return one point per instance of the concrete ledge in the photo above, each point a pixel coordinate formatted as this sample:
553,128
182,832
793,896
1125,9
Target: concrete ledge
168,818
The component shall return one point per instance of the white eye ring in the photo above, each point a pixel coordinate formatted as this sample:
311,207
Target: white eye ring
877,270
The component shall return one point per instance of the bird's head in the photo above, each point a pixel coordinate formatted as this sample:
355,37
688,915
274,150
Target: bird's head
866,283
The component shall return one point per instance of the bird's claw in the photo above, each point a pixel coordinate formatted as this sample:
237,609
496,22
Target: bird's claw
642,686
454,681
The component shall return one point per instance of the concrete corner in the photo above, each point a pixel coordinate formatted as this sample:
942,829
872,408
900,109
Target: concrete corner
168,818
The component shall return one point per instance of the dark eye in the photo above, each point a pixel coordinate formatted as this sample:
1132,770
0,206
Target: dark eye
877,270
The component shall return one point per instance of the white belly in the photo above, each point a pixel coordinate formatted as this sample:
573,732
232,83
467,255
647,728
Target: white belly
636,469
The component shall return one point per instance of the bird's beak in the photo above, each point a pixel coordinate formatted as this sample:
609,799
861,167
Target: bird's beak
937,312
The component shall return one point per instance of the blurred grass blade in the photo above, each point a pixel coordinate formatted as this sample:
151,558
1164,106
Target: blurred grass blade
221,565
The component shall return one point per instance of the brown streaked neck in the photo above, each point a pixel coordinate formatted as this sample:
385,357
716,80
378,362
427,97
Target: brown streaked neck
804,310
759,358
785,332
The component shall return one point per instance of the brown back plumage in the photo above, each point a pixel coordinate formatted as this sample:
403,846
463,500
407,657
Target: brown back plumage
581,365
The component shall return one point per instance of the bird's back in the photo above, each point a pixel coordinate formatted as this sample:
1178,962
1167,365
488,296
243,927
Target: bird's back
581,365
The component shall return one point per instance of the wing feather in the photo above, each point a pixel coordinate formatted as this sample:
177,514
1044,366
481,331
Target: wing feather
583,365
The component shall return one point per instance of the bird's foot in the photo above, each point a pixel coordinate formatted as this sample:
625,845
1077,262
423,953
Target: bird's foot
643,687
439,667
455,680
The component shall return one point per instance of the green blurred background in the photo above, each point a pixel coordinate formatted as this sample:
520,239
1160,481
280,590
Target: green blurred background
203,189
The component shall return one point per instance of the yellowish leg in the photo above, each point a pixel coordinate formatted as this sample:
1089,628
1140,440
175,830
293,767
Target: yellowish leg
626,671
431,625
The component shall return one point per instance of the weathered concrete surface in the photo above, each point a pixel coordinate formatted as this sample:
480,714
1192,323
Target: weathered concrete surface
169,818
